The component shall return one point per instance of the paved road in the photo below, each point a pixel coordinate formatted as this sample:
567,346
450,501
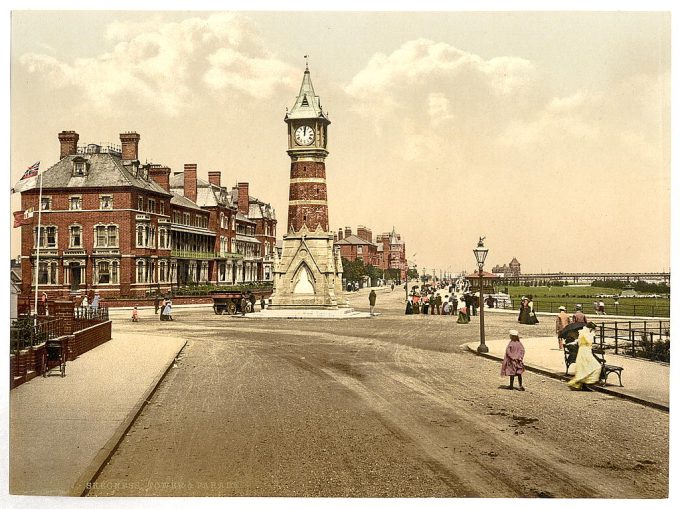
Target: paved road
391,406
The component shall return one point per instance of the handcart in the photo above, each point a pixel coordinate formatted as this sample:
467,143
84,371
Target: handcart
54,356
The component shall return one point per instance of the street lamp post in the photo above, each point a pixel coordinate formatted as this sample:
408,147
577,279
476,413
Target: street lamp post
480,255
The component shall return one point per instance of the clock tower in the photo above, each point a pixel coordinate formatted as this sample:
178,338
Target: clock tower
307,142
308,273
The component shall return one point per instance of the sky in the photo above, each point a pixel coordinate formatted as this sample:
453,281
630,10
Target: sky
547,133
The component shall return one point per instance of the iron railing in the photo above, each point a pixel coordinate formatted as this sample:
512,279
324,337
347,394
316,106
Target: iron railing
30,331
660,310
648,339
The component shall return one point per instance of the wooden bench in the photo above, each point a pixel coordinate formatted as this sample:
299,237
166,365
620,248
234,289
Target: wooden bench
571,351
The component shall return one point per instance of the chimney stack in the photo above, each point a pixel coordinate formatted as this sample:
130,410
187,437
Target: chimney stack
129,143
215,178
161,175
348,231
190,185
339,233
243,205
69,143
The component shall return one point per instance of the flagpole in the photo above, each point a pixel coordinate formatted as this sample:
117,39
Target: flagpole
37,249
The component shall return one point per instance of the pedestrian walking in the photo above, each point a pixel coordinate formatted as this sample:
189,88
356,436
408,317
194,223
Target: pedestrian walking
135,314
426,305
252,300
561,321
156,303
438,303
262,303
244,304
600,307
84,302
588,368
463,316
162,308
167,311
578,316
513,361
95,302
409,306
446,308
524,312
392,286
454,305
371,302
533,319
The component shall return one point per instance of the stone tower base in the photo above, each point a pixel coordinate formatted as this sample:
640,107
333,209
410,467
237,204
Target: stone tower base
308,275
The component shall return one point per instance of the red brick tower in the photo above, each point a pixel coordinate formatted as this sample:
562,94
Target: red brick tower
308,273
307,130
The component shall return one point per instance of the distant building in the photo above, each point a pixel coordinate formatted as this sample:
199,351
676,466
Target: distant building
509,270
387,252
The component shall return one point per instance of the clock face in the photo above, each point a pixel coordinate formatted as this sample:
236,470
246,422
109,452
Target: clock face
304,135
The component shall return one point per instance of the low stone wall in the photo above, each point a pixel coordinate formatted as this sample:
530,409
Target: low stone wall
27,364
86,339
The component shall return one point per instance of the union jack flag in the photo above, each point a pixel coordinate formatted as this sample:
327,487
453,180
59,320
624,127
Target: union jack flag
31,171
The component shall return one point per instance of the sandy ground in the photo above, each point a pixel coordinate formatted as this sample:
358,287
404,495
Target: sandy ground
390,406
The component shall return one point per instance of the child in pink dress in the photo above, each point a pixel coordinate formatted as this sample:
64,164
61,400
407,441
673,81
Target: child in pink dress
135,315
513,362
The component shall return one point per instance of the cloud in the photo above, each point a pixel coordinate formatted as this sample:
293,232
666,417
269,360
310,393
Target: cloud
169,66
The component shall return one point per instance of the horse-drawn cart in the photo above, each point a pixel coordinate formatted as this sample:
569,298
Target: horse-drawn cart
228,302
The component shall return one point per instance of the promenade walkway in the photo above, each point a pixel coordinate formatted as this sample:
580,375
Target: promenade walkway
644,381
62,430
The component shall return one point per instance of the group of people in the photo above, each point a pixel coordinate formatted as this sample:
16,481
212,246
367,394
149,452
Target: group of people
163,305
586,373
430,301
563,319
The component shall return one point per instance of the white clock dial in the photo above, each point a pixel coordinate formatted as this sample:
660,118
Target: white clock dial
304,135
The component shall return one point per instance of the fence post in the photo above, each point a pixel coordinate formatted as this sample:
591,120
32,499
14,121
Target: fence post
632,340
616,337
652,356
601,334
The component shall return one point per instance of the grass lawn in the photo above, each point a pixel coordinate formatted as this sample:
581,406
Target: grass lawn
549,298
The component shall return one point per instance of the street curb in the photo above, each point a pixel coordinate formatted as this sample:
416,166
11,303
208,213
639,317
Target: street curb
559,376
105,453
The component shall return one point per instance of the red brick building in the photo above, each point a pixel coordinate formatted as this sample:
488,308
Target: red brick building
112,224
387,252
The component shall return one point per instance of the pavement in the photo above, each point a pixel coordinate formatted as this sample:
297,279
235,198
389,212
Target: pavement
70,426
644,381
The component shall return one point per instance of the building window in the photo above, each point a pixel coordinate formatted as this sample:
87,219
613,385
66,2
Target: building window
142,235
151,204
161,238
103,273
47,236
141,271
106,202
186,218
46,203
75,203
162,208
140,203
106,235
79,168
162,271
76,236
47,273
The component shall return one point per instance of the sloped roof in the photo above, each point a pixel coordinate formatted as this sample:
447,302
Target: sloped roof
105,170
307,103
181,201
353,240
